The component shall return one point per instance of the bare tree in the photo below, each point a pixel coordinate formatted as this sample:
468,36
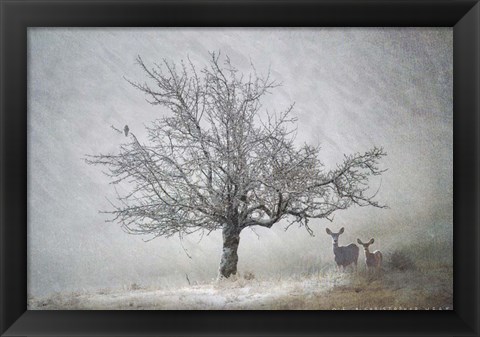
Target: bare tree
216,162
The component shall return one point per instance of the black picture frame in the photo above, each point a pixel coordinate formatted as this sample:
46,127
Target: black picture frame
16,16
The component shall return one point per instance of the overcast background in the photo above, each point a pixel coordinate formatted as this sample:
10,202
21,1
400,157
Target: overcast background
353,88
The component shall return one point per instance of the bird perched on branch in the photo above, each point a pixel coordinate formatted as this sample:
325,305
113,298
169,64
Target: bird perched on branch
126,129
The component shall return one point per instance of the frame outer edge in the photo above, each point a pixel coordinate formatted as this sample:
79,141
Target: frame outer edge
3,144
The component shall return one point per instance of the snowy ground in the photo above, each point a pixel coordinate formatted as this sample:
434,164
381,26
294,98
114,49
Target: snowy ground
333,290
227,294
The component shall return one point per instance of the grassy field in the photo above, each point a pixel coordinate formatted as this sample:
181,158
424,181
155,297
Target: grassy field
414,278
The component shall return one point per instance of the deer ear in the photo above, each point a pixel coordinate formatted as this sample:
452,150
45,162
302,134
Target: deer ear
371,241
360,242
329,231
341,230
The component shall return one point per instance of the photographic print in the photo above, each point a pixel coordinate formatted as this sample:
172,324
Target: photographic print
240,168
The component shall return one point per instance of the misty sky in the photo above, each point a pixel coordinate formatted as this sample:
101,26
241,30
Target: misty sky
353,89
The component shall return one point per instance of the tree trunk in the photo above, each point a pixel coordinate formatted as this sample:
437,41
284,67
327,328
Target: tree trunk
228,263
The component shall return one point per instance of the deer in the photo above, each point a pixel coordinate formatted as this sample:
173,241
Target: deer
344,255
372,260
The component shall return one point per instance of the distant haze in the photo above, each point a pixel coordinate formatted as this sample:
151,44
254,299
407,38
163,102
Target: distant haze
353,89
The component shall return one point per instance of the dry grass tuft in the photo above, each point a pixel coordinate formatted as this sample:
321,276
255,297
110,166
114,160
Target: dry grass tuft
400,260
248,275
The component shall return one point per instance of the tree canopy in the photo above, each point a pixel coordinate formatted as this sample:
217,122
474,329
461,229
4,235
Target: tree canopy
217,160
